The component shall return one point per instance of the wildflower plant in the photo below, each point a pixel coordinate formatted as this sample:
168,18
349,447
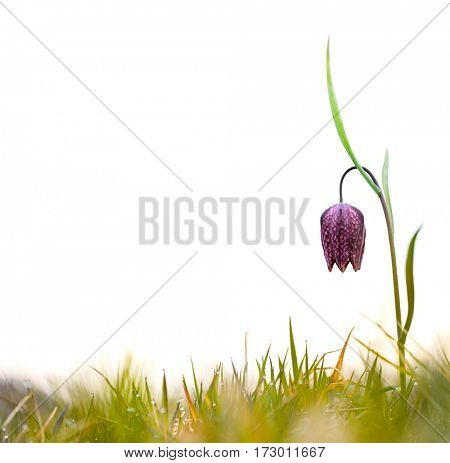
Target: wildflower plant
343,231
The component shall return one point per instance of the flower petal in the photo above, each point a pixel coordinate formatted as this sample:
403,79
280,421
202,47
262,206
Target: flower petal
343,236
326,231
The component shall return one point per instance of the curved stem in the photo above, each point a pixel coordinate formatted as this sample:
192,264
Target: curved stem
355,168
398,313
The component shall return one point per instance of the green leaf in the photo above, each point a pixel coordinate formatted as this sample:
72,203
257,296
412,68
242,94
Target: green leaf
293,351
165,400
212,391
198,395
370,376
385,180
114,389
60,420
189,401
337,372
149,395
410,286
340,126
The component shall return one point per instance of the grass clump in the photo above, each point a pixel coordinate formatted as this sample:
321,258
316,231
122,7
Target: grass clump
293,398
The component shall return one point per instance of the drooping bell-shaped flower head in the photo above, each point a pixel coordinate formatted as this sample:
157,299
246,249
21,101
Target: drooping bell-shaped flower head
343,236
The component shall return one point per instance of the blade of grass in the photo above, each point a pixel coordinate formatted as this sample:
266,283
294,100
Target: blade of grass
189,401
337,373
22,432
36,410
59,421
261,373
114,389
244,374
41,433
165,396
370,377
198,395
151,404
293,351
306,361
282,376
149,395
235,376
16,409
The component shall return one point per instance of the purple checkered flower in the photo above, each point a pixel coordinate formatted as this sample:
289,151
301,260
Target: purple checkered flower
343,236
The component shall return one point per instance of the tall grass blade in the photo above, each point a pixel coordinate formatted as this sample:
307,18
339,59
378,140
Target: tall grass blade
282,376
293,351
306,361
114,389
41,433
59,421
337,372
189,401
244,374
36,410
261,373
165,396
198,394
16,409
148,394
370,377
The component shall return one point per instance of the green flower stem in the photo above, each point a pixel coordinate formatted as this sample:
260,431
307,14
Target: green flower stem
401,335
398,313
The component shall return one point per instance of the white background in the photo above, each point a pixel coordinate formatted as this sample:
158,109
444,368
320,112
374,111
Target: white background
224,93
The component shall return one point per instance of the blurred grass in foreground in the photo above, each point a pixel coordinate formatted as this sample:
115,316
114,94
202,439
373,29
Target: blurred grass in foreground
293,399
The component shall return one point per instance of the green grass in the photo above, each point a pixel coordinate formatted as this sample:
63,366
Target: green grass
294,398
